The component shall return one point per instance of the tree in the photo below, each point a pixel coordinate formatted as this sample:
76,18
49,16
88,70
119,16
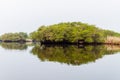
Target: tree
14,36
72,32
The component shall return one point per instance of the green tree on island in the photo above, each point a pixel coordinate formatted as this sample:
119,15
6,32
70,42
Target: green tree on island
14,36
72,32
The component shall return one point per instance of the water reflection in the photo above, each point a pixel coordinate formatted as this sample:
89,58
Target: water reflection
68,54
72,55
14,46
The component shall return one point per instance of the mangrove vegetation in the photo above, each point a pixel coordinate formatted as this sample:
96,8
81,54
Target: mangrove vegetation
72,32
67,32
14,37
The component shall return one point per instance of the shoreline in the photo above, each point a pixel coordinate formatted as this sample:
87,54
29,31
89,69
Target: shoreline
59,43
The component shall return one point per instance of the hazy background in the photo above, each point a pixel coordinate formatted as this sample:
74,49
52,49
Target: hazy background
28,15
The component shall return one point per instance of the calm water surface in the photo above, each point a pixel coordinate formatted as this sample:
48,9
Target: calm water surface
35,62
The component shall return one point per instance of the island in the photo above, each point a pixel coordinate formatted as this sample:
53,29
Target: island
65,33
74,33
15,37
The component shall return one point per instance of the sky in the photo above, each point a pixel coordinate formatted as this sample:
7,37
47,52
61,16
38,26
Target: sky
28,15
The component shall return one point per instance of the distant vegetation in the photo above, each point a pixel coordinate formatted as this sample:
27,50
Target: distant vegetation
69,32
14,37
72,32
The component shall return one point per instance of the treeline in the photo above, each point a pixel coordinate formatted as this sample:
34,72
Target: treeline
69,32
14,37
72,32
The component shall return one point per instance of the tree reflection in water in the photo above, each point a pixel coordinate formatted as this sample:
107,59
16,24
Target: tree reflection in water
14,46
68,54
72,55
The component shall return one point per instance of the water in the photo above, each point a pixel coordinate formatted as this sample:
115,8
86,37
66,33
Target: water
50,62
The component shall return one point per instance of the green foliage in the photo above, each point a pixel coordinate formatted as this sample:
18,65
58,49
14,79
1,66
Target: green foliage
14,36
111,33
72,32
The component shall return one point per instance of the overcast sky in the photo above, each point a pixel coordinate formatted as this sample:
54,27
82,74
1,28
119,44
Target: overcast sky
28,15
